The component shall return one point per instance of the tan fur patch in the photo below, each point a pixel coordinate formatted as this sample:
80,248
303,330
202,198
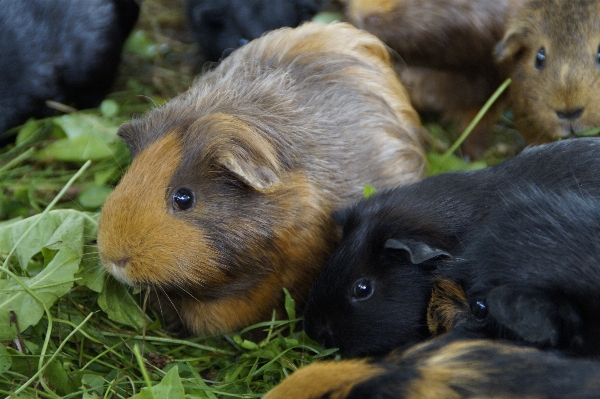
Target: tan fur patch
332,380
139,241
447,306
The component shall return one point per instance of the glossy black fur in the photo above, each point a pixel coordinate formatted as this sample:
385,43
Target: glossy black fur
441,212
62,50
446,368
221,26
532,273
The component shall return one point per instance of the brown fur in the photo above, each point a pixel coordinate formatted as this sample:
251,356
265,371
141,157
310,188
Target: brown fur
448,307
569,32
448,368
446,48
287,129
332,380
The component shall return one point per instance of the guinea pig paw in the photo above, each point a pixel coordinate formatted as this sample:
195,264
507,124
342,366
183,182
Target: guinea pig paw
529,316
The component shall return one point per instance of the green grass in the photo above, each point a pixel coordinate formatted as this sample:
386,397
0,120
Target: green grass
66,330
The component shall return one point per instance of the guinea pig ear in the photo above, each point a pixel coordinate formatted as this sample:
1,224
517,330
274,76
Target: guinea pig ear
418,251
131,137
235,146
511,46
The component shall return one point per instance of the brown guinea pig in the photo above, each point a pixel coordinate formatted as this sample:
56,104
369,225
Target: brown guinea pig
446,49
552,49
230,193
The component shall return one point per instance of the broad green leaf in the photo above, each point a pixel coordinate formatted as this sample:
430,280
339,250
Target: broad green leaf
5,359
80,124
59,227
58,378
439,163
116,301
54,281
93,197
94,386
169,388
77,149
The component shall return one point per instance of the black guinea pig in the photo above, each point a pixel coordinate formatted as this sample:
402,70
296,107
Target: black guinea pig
374,292
62,50
448,368
532,272
221,26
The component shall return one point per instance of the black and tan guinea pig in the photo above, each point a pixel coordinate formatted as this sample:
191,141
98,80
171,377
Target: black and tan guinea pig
552,50
531,272
446,51
62,50
448,368
221,26
230,193
374,292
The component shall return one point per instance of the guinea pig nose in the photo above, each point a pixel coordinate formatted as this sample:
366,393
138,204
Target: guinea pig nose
570,114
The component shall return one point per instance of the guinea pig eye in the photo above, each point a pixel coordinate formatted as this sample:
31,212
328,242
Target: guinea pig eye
183,199
243,42
598,57
479,309
540,59
362,290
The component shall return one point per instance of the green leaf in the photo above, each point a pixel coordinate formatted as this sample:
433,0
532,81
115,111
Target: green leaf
449,163
5,359
94,386
58,378
80,124
116,301
93,197
77,149
368,191
169,388
109,108
54,281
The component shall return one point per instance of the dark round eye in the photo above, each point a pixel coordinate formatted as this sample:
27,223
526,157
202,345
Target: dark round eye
540,59
598,57
479,309
362,289
183,199
242,42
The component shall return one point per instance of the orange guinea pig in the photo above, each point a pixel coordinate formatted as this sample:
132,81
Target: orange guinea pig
552,49
232,185
446,49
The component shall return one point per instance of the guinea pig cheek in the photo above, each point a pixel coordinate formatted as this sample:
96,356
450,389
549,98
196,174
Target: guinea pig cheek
139,240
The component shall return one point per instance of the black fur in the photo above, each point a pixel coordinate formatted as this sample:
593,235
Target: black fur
448,368
439,212
221,26
533,271
62,50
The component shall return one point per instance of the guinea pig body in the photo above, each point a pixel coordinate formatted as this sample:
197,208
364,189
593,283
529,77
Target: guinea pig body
552,50
64,50
221,26
448,368
532,272
232,185
446,50
373,295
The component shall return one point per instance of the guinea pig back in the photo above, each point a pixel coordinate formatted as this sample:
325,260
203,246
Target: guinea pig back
552,50
447,368
229,195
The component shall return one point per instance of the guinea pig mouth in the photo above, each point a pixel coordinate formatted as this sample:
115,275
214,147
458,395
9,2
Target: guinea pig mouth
118,271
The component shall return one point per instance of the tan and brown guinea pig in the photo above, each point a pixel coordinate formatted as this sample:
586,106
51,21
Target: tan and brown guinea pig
232,184
446,49
552,49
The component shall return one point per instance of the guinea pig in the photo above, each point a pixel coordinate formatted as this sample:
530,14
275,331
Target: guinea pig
448,368
221,26
446,48
552,50
373,295
62,50
531,273
232,185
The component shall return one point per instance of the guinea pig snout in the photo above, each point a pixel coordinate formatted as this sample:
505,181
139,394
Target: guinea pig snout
322,333
117,268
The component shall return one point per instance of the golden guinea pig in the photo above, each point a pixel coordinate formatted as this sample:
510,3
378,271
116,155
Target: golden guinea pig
446,54
552,50
232,185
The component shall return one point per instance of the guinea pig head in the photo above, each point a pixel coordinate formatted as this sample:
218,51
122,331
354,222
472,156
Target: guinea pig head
372,296
551,50
212,216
